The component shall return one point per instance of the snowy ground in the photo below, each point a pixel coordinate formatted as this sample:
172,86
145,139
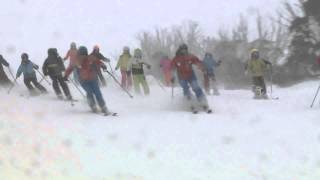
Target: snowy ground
154,139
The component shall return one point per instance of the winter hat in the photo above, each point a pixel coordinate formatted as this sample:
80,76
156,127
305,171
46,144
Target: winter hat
96,47
52,51
255,54
73,45
82,51
24,56
138,53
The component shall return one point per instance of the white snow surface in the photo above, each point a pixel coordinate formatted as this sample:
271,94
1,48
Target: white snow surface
154,138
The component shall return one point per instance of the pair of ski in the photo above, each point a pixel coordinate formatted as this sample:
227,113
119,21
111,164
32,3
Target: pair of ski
195,111
111,114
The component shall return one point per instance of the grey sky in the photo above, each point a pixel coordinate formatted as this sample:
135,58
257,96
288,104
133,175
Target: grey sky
110,23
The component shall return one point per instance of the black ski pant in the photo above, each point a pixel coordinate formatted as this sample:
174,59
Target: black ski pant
258,81
58,81
34,81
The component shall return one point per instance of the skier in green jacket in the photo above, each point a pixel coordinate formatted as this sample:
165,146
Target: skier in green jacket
136,67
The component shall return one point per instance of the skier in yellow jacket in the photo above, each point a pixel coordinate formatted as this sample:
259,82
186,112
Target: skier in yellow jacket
126,80
257,67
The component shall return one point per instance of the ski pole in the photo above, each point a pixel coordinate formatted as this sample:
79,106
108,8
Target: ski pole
172,90
111,67
12,86
315,97
74,84
43,77
130,95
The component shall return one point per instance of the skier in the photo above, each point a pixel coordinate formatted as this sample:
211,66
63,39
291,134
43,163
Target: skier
4,80
53,66
165,65
72,56
126,79
136,67
27,68
183,63
210,64
257,66
87,66
97,54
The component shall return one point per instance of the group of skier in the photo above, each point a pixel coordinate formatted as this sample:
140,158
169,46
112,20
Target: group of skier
87,72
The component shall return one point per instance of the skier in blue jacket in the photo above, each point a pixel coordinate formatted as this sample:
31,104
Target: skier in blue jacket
210,64
27,69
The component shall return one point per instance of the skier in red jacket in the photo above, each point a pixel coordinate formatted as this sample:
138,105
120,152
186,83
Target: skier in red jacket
183,63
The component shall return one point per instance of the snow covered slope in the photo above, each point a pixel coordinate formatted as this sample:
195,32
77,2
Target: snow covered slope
155,139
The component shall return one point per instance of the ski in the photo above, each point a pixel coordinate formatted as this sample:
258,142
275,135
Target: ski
110,114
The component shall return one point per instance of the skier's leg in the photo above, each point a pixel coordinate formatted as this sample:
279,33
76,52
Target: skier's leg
136,84
196,88
145,85
65,87
214,85
27,82
76,76
129,80
38,85
207,83
124,79
255,86
263,85
99,96
86,85
168,77
55,86
185,88
202,99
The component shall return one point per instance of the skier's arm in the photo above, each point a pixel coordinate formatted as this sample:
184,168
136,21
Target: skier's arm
146,64
45,68
267,62
61,64
68,72
103,58
35,66
19,72
197,62
67,56
3,61
118,64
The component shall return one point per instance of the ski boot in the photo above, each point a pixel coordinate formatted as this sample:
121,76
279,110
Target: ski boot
60,96
94,108
216,93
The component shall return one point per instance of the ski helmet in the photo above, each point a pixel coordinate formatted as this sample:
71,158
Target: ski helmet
82,51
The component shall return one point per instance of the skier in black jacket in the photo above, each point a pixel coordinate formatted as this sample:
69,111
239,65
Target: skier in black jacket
53,66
